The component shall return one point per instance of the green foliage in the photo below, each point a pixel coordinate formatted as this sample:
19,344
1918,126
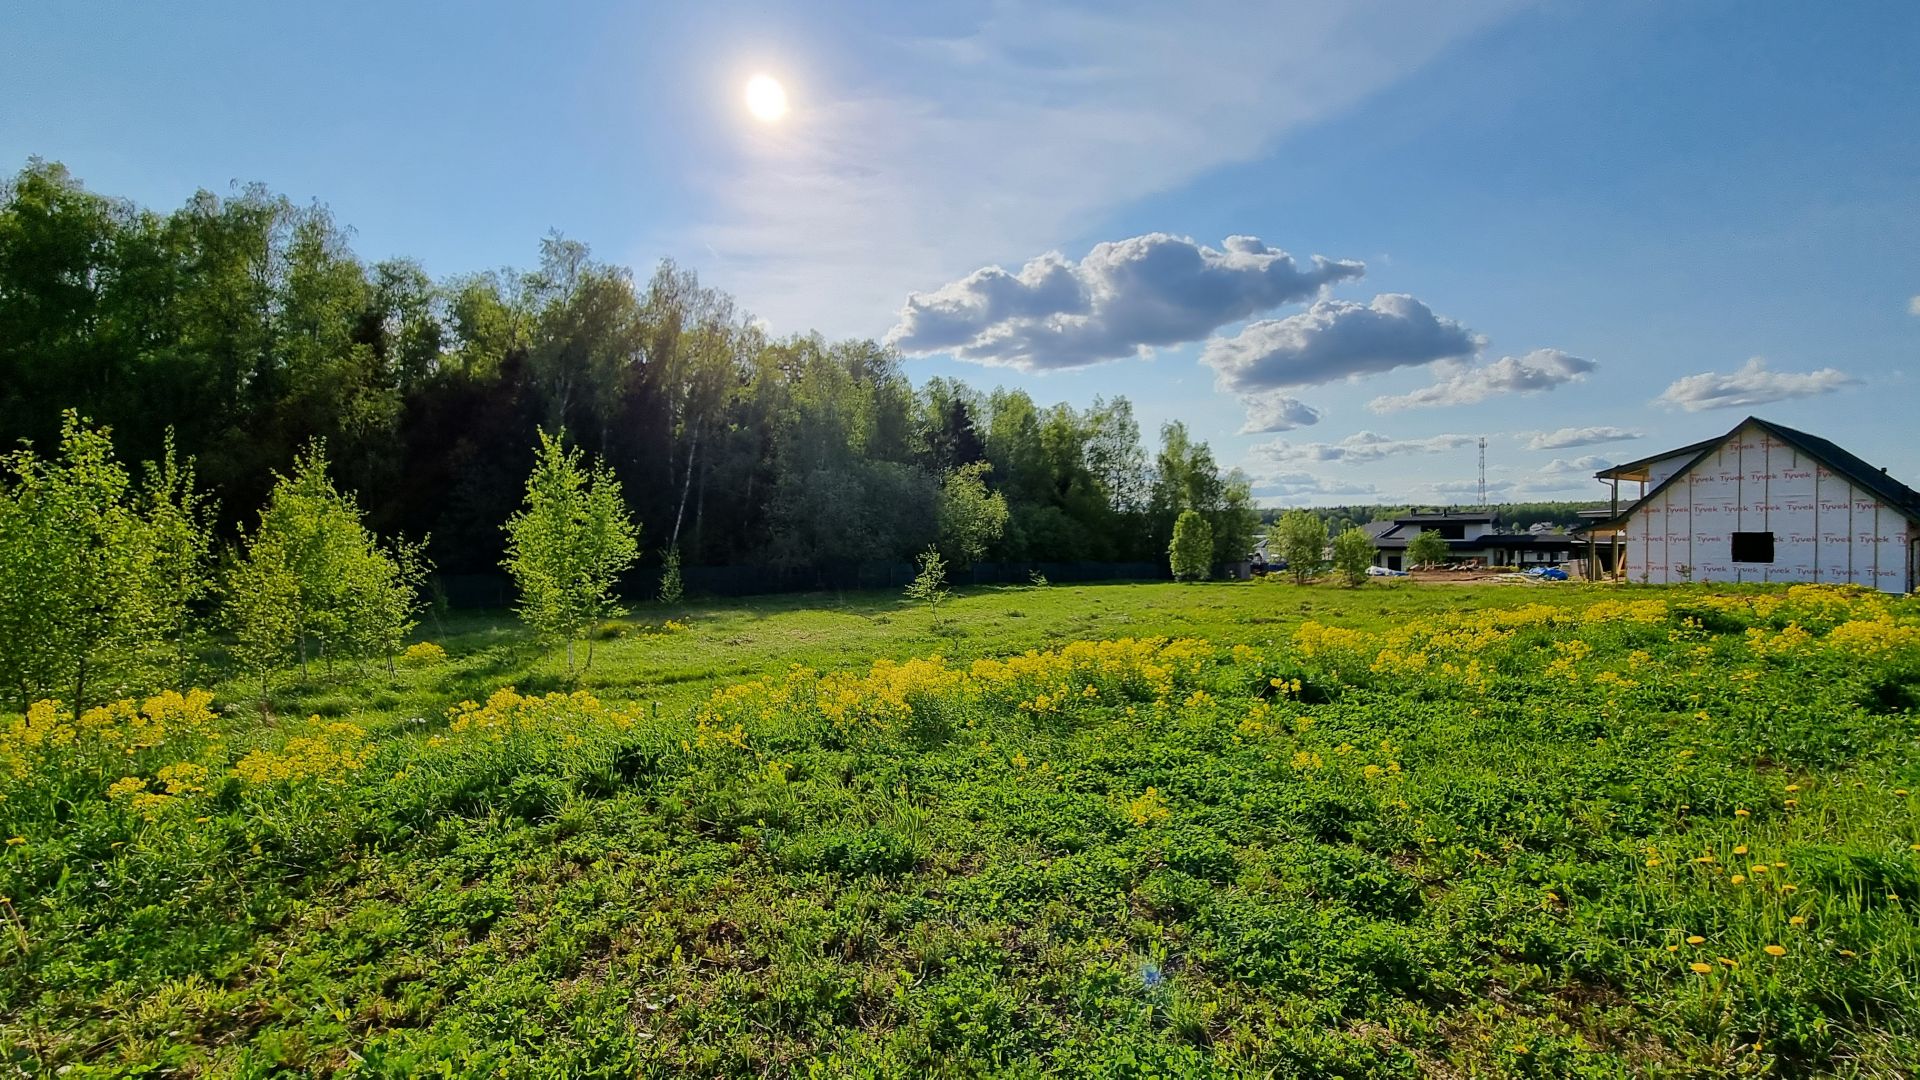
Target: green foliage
315,582
1427,549
1191,552
568,545
671,589
246,322
971,517
179,577
97,577
1300,537
1353,554
1439,830
929,587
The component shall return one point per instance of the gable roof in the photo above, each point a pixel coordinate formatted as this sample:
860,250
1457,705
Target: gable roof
1850,466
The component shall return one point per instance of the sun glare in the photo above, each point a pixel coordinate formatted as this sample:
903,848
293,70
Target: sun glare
766,98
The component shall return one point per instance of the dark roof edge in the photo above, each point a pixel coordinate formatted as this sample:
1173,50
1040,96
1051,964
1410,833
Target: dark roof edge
1851,466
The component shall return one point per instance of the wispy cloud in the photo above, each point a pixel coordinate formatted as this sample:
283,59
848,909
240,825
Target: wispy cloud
1024,130
1753,384
1913,305
1124,298
1294,488
1357,449
1461,383
1568,437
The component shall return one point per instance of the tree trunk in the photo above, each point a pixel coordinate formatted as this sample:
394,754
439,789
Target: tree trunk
693,451
79,689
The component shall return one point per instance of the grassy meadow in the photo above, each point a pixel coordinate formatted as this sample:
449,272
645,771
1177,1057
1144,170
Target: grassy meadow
1119,830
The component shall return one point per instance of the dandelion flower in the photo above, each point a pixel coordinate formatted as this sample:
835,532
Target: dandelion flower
1848,953
1699,968
1797,920
1738,879
1743,813
1793,787
1775,950
1695,939
1741,850
1900,792
1727,961
16,841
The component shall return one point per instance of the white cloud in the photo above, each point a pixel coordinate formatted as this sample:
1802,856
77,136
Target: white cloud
1753,384
1356,449
1026,126
1124,298
1913,305
1277,412
1568,437
1306,489
1460,383
1586,465
1335,339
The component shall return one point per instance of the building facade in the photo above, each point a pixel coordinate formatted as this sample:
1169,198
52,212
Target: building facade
1762,503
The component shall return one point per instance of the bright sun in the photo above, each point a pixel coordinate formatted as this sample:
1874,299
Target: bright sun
766,98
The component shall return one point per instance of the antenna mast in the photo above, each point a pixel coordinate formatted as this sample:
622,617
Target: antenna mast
1483,471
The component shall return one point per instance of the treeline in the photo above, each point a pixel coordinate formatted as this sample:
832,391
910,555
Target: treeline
245,327
1514,516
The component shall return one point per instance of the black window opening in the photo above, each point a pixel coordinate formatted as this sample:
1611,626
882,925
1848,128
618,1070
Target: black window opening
1756,547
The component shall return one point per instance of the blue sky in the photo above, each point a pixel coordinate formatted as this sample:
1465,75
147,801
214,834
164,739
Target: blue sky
1574,216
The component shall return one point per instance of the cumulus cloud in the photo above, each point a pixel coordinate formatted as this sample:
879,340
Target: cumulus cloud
1276,412
1356,449
1461,383
1336,339
1125,297
1568,437
1585,465
1010,121
1753,384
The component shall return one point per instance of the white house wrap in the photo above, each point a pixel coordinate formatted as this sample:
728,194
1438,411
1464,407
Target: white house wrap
1764,503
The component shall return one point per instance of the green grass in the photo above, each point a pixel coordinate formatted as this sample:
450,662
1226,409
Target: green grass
728,641
1470,835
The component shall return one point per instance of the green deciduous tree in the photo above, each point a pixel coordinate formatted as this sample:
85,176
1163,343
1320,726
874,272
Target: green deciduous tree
1300,537
568,545
1191,551
314,581
1353,554
930,586
76,565
178,565
971,517
1427,549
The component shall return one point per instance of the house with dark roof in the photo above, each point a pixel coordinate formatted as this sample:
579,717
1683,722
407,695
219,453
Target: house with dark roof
1762,502
1471,536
